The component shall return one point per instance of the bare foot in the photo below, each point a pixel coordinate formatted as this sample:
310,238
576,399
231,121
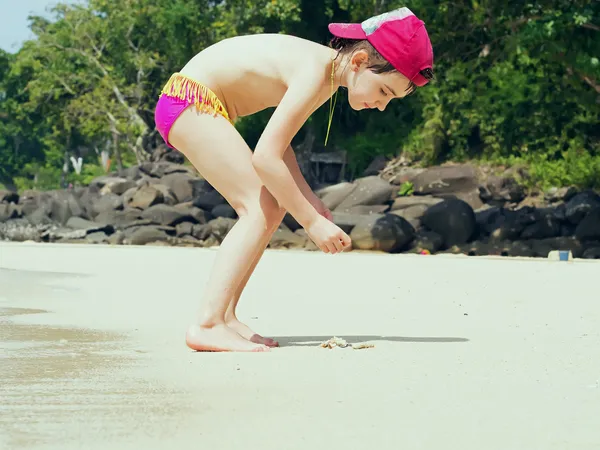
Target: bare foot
244,331
219,338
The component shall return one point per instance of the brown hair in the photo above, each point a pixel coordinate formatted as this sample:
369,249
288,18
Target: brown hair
377,63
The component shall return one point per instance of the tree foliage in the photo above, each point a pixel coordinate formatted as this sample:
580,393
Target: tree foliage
516,82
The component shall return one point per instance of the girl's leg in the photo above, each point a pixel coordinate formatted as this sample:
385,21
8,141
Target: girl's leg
230,316
223,158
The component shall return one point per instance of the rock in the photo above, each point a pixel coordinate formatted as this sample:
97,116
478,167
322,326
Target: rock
168,195
63,234
180,185
200,186
145,180
160,169
563,194
141,223
7,211
127,197
389,233
542,247
567,229
582,203
98,183
186,241
412,213
145,235
224,210
286,239
560,212
211,241
592,253
63,205
366,210
482,248
220,227
146,197
500,190
427,240
332,196
20,230
347,221
164,153
77,223
197,214
96,237
119,219
117,186
291,222
131,173
452,219
545,227
41,216
283,226
406,175
309,245
512,223
376,166
497,248
471,197
201,231
412,200
520,249
167,215
488,219
446,179
589,227
185,228
368,191
106,203
9,197
30,201
117,238
87,200
209,200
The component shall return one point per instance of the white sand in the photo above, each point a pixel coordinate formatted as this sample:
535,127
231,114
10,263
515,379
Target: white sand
470,353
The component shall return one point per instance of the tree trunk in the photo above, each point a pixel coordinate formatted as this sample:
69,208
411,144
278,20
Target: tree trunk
117,151
303,152
8,182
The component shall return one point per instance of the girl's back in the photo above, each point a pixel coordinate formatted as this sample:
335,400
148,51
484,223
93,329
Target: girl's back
251,73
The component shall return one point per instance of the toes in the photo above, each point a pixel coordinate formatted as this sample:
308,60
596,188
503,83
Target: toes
271,343
261,348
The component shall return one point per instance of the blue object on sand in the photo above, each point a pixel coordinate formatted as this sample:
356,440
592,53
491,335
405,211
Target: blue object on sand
563,255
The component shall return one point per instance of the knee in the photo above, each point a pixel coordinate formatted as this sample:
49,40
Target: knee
265,210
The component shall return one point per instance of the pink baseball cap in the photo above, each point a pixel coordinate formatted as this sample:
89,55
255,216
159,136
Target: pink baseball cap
399,36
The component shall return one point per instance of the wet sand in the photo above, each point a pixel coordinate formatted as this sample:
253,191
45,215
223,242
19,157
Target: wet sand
470,353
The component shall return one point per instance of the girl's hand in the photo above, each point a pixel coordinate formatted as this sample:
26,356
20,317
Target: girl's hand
320,207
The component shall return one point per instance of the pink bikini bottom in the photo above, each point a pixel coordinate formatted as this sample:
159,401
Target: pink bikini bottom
179,93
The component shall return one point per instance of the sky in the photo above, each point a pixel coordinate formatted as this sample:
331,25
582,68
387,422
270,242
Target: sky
14,27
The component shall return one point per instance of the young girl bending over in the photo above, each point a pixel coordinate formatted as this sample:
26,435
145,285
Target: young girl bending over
381,59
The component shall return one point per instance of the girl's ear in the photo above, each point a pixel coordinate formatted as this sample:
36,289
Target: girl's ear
359,58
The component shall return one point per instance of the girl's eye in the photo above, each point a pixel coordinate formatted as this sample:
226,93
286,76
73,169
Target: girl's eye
383,92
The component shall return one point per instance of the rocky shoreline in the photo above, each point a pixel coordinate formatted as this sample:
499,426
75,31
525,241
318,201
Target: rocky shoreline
443,209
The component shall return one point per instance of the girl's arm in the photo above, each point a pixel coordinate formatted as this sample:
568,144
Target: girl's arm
299,102
289,157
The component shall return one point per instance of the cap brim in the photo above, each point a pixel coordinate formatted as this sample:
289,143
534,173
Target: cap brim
347,30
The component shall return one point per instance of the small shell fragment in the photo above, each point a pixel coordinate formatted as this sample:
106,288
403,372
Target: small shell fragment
362,345
334,342
341,343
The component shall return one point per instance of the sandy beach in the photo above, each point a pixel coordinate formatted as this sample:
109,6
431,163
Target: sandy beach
470,353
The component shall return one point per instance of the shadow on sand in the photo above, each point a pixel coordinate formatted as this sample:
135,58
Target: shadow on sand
297,341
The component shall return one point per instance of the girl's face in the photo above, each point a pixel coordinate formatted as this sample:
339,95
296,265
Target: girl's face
368,90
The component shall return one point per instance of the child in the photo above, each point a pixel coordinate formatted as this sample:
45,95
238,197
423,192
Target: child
383,58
